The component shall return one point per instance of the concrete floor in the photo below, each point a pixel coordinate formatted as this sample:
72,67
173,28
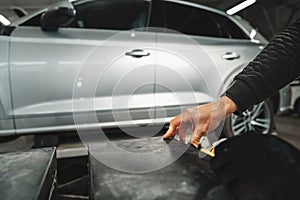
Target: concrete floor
288,128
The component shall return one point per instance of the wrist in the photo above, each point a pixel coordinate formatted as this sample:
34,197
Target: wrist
230,106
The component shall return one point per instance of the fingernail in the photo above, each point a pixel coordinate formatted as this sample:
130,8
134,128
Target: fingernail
195,145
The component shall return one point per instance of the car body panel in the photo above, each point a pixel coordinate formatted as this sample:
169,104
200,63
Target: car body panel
6,122
50,79
285,99
87,78
209,73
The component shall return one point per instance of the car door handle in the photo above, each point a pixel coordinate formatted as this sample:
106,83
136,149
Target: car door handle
231,56
137,53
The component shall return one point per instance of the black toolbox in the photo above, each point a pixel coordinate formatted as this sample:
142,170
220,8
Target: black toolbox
188,177
28,174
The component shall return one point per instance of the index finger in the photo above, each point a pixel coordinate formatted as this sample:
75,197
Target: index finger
171,131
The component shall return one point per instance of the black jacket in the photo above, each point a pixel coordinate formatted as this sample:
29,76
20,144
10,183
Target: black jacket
276,66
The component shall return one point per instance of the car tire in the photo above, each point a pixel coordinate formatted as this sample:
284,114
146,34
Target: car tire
275,99
297,106
257,118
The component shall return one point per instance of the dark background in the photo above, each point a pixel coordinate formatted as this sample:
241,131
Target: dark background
269,16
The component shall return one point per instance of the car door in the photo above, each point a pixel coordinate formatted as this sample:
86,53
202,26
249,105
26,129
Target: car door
209,49
88,68
6,117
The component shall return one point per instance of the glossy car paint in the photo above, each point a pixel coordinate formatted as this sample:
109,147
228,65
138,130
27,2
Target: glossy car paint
6,117
42,69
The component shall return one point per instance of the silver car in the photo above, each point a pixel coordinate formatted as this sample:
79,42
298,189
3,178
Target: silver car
97,63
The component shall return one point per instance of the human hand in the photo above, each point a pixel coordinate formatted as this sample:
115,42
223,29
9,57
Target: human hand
203,119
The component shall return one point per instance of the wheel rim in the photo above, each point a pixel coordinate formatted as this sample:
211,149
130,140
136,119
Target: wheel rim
257,118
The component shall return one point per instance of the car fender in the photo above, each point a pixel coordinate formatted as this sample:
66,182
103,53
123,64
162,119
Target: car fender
229,78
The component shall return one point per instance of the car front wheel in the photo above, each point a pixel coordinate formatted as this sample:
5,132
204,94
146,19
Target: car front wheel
259,118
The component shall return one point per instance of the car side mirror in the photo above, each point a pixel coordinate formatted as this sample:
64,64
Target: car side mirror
52,19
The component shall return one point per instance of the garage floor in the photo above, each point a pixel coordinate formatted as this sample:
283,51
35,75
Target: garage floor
288,128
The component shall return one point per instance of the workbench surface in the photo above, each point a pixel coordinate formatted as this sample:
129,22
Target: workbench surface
188,177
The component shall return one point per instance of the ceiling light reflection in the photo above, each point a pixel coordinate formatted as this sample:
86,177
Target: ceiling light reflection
240,7
4,20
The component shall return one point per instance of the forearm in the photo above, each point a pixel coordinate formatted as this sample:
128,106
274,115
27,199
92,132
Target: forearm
276,66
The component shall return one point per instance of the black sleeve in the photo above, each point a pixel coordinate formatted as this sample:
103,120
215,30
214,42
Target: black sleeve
276,66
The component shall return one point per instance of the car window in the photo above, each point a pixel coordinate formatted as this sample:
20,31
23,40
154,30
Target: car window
230,28
193,21
106,14
35,21
111,14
